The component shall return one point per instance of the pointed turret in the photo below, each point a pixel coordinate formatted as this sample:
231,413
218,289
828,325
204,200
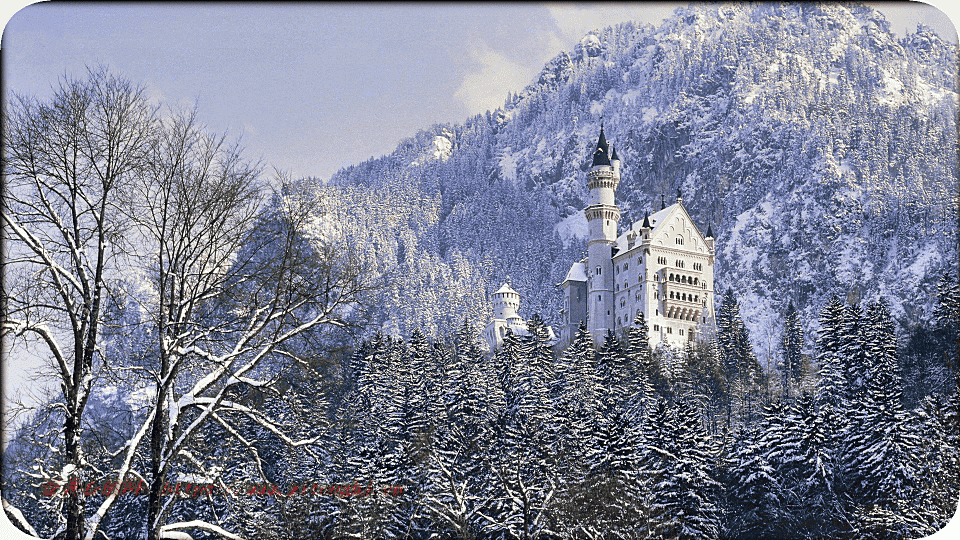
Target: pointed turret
646,221
709,231
600,155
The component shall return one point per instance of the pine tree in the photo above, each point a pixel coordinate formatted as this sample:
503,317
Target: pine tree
791,349
883,444
743,373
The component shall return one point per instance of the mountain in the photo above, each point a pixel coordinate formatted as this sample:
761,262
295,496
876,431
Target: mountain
819,146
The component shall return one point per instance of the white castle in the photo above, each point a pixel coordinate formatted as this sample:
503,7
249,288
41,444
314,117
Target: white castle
505,303
661,268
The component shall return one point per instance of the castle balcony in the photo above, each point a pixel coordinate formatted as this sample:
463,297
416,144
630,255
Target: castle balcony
684,295
683,311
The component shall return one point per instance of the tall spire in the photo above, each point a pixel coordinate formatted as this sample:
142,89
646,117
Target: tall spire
663,202
646,221
709,231
679,196
600,155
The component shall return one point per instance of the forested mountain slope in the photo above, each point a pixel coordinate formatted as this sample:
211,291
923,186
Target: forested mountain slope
819,146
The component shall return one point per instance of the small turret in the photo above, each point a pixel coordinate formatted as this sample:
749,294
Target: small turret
615,161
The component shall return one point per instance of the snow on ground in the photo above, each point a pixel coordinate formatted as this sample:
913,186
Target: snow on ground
508,165
572,226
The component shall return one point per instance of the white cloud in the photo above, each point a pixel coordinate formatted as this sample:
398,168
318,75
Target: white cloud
486,86
575,20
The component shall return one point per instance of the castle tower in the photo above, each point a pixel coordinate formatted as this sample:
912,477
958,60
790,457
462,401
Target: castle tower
505,303
602,219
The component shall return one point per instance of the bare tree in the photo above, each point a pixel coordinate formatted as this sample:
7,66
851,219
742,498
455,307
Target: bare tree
65,161
233,281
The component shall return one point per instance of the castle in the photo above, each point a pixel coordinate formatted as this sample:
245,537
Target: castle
661,268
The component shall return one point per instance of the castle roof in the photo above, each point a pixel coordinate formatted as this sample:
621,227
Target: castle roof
505,288
578,272
613,155
600,156
656,220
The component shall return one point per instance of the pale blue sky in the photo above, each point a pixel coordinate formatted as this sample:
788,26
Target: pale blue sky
315,87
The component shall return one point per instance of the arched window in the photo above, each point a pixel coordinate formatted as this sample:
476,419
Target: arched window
598,270
625,284
671,295
696,281
625,266
683,279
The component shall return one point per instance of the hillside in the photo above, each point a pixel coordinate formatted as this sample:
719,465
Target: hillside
819,146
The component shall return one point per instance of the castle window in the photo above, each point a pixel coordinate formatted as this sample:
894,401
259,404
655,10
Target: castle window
680,331
617,271
696,281
656,277
625,266
623,303
669,330
656,328
671,295
599,298
598,270
679,240
639,313
683,279
618,287
625,285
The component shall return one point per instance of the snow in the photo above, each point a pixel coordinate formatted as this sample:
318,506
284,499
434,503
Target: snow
577,272
572,226
508,165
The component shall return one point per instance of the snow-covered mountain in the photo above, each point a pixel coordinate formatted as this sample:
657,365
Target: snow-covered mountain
820,147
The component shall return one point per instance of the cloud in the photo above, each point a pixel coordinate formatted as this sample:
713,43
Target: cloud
485,86
575,20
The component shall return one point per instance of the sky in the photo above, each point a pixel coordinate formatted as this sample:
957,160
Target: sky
311,88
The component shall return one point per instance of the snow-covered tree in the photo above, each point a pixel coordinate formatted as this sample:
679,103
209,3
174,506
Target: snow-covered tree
66,160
